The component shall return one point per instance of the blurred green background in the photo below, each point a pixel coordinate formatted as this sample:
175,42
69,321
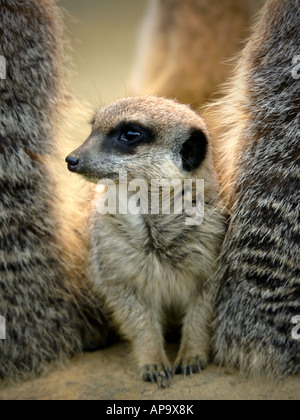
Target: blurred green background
103,35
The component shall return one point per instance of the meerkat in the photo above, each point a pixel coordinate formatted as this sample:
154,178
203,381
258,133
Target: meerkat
153,271
257,153
43,295
185,47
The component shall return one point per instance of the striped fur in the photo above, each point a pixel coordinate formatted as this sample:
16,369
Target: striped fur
40,294
259,270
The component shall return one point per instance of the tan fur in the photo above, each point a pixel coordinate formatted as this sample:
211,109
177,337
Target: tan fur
185,47
153,272
227,131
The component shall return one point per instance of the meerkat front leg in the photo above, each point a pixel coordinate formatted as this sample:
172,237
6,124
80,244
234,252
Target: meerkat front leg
194,350
140,325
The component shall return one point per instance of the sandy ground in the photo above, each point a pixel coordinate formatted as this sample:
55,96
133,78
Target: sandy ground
110,375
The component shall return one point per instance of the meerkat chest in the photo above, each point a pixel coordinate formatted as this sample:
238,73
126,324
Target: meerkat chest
162,264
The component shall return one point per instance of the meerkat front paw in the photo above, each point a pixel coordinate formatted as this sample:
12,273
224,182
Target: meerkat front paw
189,366
157,373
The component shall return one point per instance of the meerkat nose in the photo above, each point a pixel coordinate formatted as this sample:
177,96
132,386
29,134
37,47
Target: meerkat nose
73,163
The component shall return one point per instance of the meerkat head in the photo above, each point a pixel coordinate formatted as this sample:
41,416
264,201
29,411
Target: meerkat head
146,137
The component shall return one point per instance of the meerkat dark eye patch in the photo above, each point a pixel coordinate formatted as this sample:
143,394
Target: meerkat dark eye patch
126,137
194,151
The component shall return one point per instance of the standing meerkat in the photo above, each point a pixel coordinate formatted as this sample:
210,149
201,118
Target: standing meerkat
154,271
43,294
185,46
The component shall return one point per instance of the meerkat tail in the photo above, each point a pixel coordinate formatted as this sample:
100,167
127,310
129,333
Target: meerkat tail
41,298
259,302
184,47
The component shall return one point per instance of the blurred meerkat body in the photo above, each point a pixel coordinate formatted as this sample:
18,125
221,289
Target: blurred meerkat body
153,271
185,47
41,254
257,153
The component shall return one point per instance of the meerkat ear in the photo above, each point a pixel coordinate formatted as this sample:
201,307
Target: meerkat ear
194,150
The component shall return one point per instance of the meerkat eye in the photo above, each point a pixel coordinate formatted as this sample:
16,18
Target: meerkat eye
127,136
130,136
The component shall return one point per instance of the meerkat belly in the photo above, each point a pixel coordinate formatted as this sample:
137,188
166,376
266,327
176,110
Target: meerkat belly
126,256
167,288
